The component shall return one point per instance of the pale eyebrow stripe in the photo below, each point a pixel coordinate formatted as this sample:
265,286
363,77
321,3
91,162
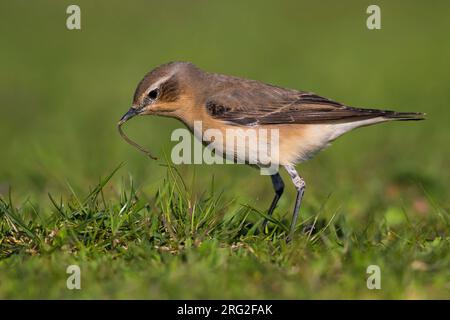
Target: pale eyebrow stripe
157,84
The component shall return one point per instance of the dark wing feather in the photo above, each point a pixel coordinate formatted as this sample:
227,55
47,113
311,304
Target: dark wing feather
253,103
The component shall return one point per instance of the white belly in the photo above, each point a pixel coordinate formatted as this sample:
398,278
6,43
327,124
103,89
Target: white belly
269,145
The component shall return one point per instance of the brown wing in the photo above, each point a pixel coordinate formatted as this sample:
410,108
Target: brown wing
253,104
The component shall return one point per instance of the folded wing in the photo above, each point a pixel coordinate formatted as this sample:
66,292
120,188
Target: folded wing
274,105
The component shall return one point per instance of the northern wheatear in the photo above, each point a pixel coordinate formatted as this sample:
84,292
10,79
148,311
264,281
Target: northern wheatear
306,123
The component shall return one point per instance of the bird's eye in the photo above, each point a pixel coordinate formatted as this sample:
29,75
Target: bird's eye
153,94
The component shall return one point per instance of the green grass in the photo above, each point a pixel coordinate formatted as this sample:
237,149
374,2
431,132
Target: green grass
175,245
379,195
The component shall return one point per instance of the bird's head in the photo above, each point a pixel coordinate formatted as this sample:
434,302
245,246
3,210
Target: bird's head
165,90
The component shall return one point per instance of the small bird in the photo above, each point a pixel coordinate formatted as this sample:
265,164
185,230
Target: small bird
306,122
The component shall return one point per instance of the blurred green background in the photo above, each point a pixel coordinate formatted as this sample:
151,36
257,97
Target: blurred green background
62,92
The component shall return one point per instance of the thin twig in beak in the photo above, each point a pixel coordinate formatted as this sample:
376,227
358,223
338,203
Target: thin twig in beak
131,142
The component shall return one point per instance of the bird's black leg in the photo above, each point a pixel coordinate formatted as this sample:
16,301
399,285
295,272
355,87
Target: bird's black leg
278,185
300,186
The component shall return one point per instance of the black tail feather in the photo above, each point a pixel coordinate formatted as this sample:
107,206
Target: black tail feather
405,115
389,114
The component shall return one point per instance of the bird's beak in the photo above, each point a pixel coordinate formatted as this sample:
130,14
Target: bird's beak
130,114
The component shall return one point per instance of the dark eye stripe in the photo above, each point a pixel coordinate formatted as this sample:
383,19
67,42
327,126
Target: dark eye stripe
170,90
